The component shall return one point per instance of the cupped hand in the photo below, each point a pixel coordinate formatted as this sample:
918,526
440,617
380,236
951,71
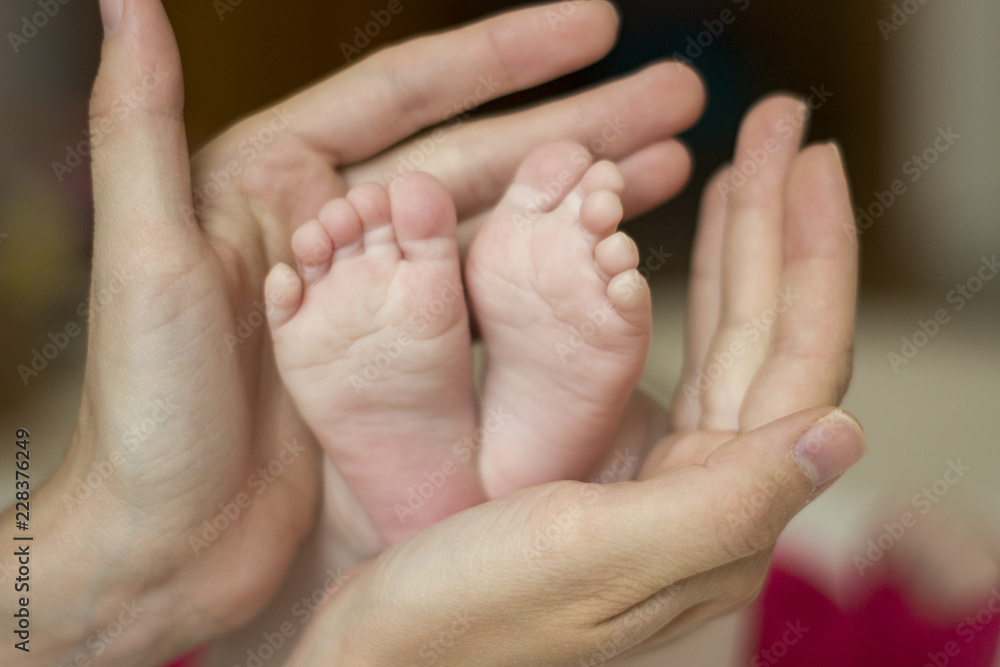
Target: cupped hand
572,573
576,573
202,480
773,290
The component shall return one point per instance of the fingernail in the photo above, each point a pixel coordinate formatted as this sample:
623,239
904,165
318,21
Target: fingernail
111,13
830,447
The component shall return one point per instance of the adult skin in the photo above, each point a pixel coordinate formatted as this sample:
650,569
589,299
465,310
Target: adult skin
164,535
572,573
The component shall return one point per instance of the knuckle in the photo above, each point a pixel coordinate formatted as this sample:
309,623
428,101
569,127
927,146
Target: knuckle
397,89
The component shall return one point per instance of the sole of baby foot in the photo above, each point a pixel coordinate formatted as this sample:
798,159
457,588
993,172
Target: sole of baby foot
565,317
371,337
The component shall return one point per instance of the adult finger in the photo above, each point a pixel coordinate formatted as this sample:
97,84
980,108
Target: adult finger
653,175
812,350
704,302
476,160
752,254
403,89
141,172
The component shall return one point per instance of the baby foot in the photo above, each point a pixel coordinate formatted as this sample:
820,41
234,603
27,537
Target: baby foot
371,337
564,315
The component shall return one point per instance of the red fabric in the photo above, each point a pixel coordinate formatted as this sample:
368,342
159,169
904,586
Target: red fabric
190,660
799,626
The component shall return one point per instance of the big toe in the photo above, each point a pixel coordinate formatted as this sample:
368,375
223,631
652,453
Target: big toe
548,175
423,215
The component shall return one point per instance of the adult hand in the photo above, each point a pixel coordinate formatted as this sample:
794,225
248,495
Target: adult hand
773,281
573,573
190,481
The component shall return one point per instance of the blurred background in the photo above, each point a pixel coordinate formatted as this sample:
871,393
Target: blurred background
897,77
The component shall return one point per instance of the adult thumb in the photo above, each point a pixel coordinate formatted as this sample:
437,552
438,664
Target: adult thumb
141,168
737,502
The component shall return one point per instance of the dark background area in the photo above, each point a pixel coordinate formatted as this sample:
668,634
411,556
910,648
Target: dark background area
261,51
